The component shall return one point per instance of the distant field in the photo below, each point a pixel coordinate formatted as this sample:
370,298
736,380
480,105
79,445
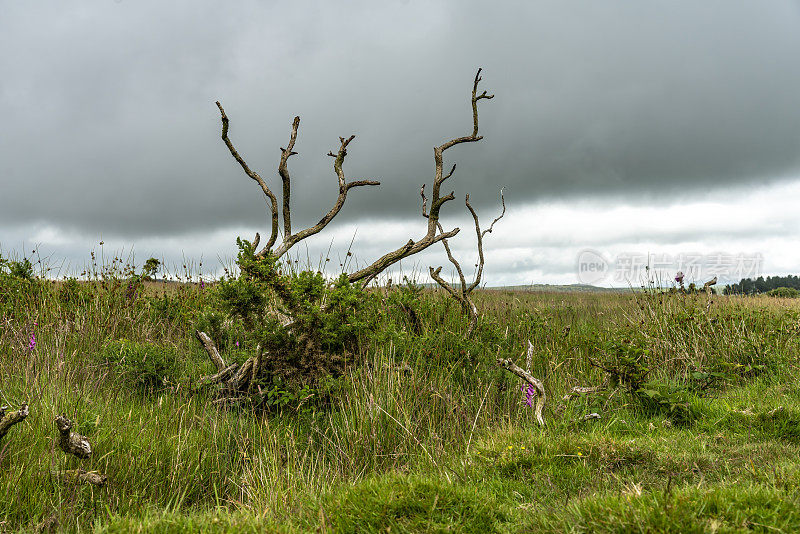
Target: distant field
698,427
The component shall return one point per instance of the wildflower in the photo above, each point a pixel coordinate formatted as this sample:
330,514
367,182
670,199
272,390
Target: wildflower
530,393
202,284
32,340
679,277
237,344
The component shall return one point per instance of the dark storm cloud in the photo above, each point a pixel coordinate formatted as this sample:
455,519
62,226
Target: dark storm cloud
110,126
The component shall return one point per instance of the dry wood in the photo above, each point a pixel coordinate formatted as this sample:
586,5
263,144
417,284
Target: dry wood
290,239
286,153
707,285
529,357
541,397
240,379
211,350
272,201
463,294
222,376
242,376
72,442
9,419
434,233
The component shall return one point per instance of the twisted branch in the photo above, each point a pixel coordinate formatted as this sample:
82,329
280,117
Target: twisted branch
289,239
273,202
463,295
286,153
434,233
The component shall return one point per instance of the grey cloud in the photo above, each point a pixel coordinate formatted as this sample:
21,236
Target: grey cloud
110,123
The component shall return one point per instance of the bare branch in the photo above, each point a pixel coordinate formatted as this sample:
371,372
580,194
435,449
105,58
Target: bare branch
529,356
286,153
273,202
436,276
536,383
290,240
454,262
367,274
479,234
491,226
221,376
463,297
434,233
449,174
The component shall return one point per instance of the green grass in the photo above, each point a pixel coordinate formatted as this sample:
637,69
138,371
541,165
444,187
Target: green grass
428,435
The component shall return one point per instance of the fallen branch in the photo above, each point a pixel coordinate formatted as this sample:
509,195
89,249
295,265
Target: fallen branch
73,476
511,367
222,376
211,350
7,420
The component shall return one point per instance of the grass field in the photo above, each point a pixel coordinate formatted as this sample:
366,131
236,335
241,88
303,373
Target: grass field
699,427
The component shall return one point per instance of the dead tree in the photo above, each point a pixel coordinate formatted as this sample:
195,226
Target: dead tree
462,295
241,377
368,273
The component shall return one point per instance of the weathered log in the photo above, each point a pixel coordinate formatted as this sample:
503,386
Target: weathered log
9,419
72,442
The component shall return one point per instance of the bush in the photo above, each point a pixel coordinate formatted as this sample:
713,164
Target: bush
784,292
308,326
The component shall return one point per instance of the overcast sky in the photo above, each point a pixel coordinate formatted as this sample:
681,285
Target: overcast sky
625,128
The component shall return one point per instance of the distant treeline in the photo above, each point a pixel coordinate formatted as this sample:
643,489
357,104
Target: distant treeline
749,286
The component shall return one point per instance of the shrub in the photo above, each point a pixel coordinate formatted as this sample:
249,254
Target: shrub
308,327
784,292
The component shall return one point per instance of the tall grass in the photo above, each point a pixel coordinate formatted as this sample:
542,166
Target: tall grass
414,415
